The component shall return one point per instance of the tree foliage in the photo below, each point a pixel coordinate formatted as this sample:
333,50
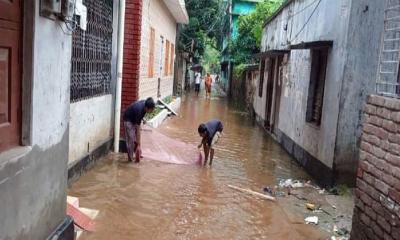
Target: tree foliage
204,26
250,29
211,59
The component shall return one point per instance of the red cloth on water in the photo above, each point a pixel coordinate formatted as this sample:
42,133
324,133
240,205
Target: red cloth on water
159,147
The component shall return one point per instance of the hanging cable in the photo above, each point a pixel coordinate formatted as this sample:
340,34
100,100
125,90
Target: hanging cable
306,23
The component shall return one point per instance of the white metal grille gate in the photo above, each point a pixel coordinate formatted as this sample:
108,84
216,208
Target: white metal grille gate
388,81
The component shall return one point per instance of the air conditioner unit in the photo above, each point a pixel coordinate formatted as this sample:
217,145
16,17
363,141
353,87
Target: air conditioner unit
67,8
50,8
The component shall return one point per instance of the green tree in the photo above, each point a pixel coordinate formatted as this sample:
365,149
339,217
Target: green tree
250,29
211,59
204,26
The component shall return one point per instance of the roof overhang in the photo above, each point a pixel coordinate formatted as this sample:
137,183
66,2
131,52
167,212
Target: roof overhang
178,10
314,44
271,53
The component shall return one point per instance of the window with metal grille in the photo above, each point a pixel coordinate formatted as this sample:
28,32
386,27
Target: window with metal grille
92,52
319,58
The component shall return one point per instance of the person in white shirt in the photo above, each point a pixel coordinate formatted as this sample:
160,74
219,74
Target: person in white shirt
197,82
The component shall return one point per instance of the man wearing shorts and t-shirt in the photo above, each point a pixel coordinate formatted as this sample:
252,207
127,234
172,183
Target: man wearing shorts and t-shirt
133,117
210,132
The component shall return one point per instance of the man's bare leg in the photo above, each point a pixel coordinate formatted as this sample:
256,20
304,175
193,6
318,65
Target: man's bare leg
206,153
211,155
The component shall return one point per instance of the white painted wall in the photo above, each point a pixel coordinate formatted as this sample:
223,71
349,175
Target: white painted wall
50,93
90,125
329,22
157,16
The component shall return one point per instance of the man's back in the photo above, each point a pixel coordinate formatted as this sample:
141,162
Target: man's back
135,112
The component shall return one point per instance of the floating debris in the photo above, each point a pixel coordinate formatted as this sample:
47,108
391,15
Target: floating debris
312,220
311,207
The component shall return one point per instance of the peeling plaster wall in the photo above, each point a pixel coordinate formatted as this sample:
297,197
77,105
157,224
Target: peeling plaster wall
90,126
360,73
329,22
33,179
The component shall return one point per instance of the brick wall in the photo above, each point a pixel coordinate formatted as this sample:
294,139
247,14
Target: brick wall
131,69
377,211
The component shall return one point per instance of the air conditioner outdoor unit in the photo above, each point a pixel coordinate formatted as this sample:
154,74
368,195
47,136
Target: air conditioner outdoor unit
50,8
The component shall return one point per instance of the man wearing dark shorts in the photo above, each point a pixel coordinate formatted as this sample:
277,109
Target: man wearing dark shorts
197,83
210,132
133,117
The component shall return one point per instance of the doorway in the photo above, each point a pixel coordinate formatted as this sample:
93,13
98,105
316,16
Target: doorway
10,74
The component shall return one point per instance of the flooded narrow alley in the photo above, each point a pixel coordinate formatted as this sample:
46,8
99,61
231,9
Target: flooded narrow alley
155,200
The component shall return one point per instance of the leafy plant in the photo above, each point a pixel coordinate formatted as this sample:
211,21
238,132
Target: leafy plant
250,30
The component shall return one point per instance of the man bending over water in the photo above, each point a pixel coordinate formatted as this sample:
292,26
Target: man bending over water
133,117
210,132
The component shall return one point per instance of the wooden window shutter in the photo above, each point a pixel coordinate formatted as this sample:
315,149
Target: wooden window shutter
171,66
166,63
151,53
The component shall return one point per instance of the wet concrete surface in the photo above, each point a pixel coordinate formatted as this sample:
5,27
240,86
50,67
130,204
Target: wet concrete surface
154,200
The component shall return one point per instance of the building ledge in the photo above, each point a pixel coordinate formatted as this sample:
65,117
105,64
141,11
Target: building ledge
314,44
178,10
14,154
270,53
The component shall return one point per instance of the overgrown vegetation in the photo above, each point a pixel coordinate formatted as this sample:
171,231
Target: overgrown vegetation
211,59
204,28
250,29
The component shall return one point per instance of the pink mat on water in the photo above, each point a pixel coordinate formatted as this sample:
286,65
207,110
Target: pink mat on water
159,147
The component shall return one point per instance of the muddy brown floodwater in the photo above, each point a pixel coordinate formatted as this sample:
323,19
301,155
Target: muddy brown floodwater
154,200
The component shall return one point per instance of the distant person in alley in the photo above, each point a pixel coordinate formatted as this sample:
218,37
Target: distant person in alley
208,84
210,132
197,83
133,118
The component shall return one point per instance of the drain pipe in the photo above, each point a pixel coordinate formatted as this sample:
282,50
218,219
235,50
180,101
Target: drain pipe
120,63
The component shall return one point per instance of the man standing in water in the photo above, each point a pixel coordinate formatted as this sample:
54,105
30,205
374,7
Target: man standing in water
208,84
197,83
133,117
210,132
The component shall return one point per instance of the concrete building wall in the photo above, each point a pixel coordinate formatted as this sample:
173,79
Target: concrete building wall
260,102
92,120
90,126
359,78
377,211
329,22
33,178
155,14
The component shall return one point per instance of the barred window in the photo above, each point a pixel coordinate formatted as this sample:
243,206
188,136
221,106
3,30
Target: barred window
92,52
315,101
